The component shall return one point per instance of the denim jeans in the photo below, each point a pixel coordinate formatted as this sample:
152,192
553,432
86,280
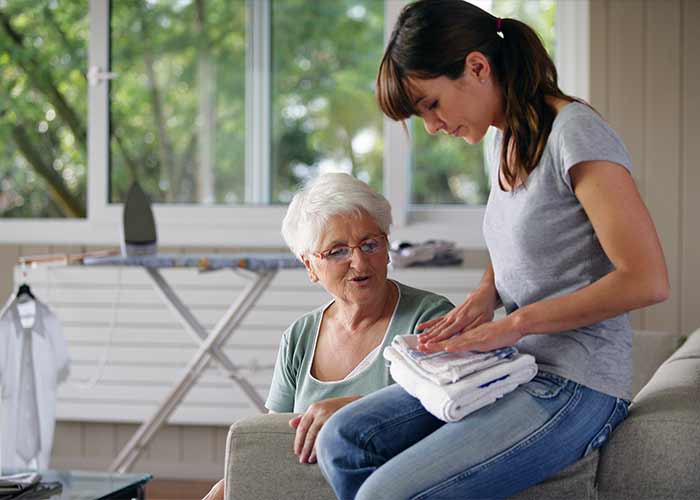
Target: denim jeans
387,446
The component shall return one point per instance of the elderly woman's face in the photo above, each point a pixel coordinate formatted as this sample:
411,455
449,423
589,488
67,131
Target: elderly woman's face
360,276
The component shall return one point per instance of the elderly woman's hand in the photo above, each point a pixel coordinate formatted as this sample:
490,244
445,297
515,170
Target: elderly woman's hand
309,424
217,492
477,309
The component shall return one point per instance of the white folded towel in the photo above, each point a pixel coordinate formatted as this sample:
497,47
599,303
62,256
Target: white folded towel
453,402
448,367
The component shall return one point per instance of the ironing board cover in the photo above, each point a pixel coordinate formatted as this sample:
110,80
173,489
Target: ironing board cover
203,262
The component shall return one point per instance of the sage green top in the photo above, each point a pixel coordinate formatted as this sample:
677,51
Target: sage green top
293,387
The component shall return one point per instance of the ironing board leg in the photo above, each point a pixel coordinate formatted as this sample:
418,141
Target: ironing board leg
226,325
199,333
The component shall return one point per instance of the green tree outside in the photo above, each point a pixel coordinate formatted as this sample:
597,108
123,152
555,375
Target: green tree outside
177,107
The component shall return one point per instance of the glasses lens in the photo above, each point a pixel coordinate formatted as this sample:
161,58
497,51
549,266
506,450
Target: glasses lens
338,254
369,246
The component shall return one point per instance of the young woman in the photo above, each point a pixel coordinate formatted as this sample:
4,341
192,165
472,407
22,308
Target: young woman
572,250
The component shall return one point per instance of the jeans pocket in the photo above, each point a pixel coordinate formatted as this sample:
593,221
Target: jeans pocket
545,385
618,414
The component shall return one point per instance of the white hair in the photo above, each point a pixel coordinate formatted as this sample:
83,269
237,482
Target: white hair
324,197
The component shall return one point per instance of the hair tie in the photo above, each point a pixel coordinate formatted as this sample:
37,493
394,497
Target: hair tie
498,25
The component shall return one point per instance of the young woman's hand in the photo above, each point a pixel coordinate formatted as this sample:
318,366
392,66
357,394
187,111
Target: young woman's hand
309,424
476,310
485,337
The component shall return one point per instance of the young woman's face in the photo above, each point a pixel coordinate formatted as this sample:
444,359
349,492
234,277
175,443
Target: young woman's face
464,107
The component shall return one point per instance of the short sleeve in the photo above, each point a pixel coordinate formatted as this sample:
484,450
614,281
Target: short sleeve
280,399
586,137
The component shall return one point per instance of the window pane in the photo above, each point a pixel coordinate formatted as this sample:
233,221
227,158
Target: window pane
325,56
177,107
43,52
446,170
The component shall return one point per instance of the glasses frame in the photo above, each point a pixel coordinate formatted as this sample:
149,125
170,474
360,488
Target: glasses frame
324,254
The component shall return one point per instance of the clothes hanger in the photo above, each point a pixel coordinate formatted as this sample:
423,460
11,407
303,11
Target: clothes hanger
25,290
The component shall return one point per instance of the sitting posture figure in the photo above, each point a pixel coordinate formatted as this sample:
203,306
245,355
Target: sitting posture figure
331,356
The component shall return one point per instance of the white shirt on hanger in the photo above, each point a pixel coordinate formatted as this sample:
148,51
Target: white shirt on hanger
50,363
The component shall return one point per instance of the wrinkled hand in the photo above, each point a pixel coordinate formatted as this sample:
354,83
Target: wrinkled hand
217,492
485,337
477,309
309,424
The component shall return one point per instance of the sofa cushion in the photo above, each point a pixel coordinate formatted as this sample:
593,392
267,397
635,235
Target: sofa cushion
576,482
253,472
655,452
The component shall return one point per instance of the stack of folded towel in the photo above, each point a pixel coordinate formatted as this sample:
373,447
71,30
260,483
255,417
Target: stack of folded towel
453,385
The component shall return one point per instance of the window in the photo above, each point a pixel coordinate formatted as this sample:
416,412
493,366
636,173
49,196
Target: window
177,104
324,115
43,141
221,108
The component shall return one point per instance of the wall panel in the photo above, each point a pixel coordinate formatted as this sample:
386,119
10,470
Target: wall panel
689,199
662,132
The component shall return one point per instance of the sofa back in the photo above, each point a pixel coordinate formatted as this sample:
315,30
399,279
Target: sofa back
655,453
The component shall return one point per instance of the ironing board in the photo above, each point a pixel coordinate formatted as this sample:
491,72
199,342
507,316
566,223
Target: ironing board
259,268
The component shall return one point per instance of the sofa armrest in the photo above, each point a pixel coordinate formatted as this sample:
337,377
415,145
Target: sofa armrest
655,452
649,350
260,462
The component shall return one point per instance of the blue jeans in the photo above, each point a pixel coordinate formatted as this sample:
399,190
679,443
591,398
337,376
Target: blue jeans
387,446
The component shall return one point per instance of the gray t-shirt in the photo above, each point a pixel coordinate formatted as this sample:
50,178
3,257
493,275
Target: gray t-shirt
543,245
293,387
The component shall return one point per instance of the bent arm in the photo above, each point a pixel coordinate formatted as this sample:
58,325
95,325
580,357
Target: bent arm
627,235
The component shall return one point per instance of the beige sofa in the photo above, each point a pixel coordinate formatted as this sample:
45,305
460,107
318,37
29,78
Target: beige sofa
653,455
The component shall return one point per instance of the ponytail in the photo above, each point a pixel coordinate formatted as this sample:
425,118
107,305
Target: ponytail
527,76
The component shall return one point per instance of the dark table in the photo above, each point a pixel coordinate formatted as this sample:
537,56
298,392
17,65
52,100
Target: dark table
87,485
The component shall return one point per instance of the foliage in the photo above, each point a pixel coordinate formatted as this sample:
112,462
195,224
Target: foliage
180,65
42,108
177,107
324,61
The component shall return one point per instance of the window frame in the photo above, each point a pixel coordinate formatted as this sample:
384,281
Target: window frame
259,226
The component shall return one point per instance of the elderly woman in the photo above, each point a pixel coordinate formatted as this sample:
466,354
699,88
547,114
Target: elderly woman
331,356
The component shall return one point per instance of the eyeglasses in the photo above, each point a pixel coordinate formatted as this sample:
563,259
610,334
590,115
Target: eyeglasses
343,253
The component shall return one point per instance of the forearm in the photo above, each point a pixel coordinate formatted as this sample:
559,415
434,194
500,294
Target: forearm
614,294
